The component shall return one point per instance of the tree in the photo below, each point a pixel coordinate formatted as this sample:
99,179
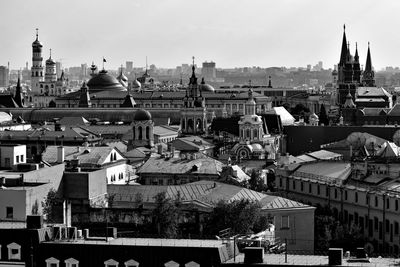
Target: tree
165,216
256,183
50,204
239,215
323,117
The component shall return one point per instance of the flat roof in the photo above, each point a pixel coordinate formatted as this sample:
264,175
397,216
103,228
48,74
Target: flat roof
152,242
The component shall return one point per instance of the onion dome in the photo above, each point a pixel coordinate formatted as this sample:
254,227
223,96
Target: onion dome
93,67
37,43
142,115
136,84
50,61
104,82
122,79
206,87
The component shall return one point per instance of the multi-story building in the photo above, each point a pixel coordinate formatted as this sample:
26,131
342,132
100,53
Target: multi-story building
4,76
364,193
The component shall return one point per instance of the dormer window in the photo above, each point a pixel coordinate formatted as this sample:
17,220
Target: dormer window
71,262
52,262
111,263
14,251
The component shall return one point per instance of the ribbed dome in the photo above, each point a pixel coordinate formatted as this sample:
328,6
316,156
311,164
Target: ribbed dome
204,87
136,84
142,115
104,81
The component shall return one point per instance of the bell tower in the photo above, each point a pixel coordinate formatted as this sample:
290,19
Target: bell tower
37,64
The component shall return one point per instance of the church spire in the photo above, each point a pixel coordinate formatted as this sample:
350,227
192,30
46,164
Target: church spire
18,98
193,78
343,54
356,57
368,75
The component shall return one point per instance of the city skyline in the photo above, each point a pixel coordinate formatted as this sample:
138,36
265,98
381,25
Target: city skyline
247,33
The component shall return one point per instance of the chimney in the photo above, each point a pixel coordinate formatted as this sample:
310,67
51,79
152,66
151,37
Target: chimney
60,154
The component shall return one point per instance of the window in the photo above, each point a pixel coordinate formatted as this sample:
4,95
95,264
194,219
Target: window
345,194
327,191
111,263
22,158
336,193
17,159
301,186
71,262
131,263
318,190
396,204
309,188
367,199
396,228
356,197
14,251
375,223
52,262
9,212
285,222
376,201
387,226
294,185
387,204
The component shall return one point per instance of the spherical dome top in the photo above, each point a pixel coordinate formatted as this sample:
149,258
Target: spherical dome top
104,81
136,84
142,115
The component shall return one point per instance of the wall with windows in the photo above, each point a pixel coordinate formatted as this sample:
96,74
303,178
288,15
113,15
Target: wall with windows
376,212
12,205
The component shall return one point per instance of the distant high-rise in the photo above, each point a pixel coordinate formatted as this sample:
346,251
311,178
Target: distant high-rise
58,68
129,66
4,76
84,70
208,71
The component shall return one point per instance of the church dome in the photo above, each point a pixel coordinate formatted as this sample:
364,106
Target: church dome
142,115
37,43
50,61
104,82
136,84
204,87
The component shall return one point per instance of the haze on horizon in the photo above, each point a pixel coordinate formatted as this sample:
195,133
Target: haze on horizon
232,33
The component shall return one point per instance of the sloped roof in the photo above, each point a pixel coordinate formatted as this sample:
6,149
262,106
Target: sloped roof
73,121
389,150
89,155
328,170
5,117
191,143
203,193
286,117
164,130
372,92
203,165
324,155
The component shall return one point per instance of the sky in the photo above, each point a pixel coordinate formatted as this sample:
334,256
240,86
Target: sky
232,33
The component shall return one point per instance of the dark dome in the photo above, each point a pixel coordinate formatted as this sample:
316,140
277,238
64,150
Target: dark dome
142,115
37,43
104,81
50,61
204,87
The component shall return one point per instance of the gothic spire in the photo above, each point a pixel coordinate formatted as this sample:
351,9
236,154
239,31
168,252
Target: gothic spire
356,57
368,64
343,54
18,98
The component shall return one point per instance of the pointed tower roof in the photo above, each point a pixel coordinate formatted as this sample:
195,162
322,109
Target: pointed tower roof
343,54
356,57
349,101
193,78
18,98
368,64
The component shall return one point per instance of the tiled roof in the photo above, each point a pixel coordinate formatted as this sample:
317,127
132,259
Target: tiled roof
204,193
180,166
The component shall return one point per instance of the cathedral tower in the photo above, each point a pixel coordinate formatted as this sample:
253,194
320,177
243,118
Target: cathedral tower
51,74
37,68
368,75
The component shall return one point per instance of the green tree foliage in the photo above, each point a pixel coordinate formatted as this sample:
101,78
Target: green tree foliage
323,117
50,204
241,216
166,216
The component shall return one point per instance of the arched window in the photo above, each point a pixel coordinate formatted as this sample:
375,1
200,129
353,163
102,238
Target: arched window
134,132
248,133
140,133
255,133
147,132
